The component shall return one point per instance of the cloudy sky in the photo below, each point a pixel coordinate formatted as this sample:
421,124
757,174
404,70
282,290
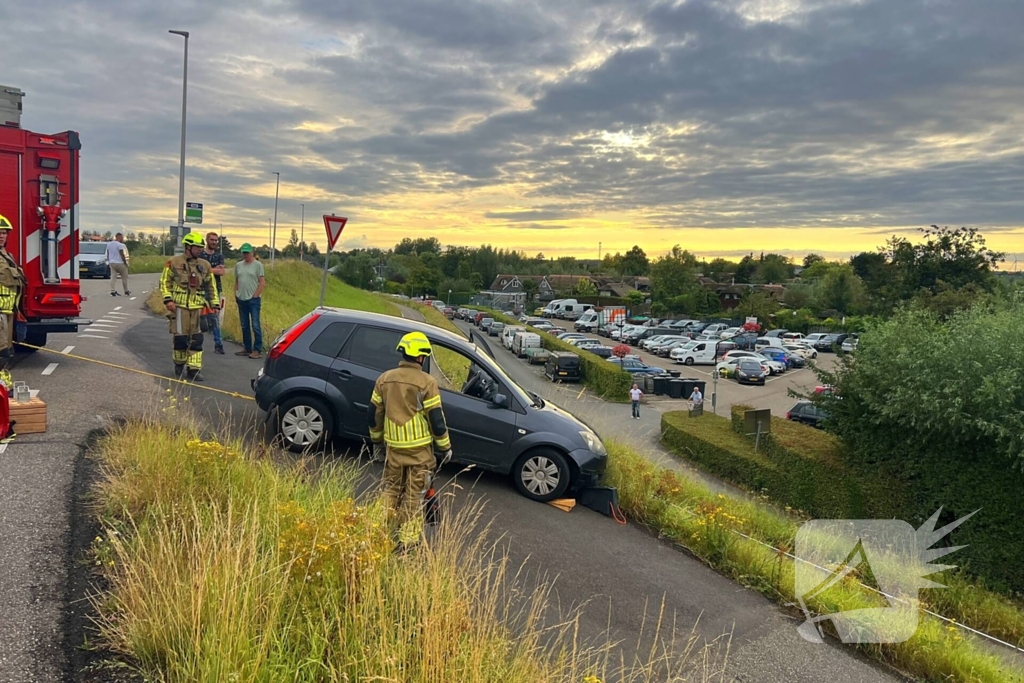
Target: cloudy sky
726,126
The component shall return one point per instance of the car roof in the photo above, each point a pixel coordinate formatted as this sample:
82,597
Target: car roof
379,319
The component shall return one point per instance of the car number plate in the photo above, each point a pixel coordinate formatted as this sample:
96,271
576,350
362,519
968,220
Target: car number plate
563,373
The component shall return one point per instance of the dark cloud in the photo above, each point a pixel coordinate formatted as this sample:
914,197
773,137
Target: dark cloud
833,114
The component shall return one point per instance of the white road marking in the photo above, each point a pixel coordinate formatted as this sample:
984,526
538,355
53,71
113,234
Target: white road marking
120,315
67,350
117,308
3,448
50,368
133,298
93,336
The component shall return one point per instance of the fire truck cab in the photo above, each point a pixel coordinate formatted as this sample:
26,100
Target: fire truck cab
39,195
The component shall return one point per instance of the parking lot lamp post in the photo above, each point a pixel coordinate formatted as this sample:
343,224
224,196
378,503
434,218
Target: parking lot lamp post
449,297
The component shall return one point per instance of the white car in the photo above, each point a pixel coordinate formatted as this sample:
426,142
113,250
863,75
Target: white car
651,341
805,352
850,345
729,366
730,332
773,367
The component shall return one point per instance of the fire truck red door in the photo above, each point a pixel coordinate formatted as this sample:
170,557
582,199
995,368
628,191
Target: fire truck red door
10,196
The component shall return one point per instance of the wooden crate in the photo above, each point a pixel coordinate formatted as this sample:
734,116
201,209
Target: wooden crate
30,417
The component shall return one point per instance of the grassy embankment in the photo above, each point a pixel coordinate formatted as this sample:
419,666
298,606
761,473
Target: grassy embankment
154,263
222,566
293,289
750,543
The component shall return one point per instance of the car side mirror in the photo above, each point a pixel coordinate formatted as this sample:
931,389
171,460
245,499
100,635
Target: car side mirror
499,401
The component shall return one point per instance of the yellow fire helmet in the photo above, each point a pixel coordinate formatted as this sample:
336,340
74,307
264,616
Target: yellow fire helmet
414,345
5,224
194,239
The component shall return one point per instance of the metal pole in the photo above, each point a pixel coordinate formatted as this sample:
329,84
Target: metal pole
221,240
714,393
323,282
178,248
273,235
302,235
270,232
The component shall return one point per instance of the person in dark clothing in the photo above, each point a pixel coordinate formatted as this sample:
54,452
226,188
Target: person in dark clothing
213,318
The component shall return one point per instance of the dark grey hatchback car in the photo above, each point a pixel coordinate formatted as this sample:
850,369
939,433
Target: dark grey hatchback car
319,374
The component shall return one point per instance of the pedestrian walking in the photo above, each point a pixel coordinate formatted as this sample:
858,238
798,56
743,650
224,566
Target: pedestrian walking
635,394
117,260
12,287
216,260
188,287
250,280
407,421
696,398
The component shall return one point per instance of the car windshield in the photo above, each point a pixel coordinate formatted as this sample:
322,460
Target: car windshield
749,365
92,248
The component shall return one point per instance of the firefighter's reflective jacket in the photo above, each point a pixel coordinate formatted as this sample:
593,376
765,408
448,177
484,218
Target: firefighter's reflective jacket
408,415
189,283
12,283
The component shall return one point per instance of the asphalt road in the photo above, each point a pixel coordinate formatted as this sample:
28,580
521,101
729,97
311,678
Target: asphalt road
620,573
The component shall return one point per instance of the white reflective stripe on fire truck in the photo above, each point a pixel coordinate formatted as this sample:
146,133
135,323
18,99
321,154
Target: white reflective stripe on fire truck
69,268
33,244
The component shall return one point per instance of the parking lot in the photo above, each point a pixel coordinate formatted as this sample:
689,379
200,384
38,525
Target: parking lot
775,394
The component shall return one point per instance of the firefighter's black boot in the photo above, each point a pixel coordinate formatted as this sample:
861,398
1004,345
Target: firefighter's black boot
179,371
195,376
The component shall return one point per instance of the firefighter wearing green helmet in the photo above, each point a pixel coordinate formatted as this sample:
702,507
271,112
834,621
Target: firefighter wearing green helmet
408,420
188,286
12,285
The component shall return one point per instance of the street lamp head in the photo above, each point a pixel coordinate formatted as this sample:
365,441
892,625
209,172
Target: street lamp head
179,33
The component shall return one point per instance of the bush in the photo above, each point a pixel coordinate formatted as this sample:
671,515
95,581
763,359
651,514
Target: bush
605,379
812,479
936,413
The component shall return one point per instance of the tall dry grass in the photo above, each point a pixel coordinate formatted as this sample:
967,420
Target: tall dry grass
221,566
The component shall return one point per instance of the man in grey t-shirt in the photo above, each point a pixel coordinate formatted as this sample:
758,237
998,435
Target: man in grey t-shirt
249,283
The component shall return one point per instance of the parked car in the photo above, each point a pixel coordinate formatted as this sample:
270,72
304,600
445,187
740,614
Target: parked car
782,356
562,366
701,352
635,366
807,413
480,315
568,336
584,343
749,371
449,313
730,332
850,343
92,260
814,338
539,312
792,336
318,376
599,351
776,333
830,342
543,326
807,352
485,323
509,333
715,329
665,350
495,329
650,341
774,367
658,347
745,340
727,368
523,341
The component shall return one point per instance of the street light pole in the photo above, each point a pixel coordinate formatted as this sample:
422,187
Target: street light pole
178,248
273,236
302,236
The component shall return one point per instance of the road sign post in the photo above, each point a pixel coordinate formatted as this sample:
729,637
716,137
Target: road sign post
194,213
334,225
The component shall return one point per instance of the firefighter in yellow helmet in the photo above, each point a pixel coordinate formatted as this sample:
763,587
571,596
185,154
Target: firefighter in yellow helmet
12,286
408,419
188,287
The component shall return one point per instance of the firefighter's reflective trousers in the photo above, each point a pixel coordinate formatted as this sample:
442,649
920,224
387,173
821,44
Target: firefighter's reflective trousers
188,339
8,302
406,480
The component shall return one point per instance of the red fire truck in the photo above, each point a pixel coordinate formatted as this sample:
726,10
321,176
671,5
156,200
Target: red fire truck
39,195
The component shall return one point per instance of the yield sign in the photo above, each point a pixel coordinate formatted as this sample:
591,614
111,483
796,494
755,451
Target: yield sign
334,225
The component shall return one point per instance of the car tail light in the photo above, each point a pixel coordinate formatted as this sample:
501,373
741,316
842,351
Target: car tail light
788,415
74,299
291,335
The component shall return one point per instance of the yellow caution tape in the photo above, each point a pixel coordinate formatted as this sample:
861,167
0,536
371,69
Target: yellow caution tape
232,394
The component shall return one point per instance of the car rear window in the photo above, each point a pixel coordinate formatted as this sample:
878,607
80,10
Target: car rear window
568,362
373,347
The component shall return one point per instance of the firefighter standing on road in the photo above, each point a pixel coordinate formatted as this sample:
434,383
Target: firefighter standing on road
12,284
408,418
188,287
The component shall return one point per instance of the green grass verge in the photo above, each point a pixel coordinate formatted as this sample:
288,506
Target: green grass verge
708,525
605,379
219,565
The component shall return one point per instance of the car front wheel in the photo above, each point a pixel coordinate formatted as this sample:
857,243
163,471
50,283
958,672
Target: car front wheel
689,361
541,475
305,423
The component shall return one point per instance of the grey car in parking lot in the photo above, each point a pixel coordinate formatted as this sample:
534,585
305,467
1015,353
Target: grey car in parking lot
319,374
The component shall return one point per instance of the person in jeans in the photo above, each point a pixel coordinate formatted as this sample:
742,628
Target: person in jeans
216,259
634,396
117,259
249,283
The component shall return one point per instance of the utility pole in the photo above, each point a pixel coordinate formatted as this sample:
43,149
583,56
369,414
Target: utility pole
176,239
302,235
270,234
598,251
221,240
273,235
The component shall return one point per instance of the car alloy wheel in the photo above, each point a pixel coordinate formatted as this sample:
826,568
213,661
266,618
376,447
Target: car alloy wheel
541,475
305,423
689,361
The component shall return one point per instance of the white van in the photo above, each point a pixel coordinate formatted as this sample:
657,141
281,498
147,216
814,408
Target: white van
765,342
559,308
699,352
509,333
586,322
523,341
549,310
576,310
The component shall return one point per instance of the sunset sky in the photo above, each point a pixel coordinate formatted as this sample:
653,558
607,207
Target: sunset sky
726,126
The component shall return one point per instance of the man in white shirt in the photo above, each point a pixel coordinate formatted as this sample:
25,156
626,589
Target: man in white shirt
634,396
696,398
117,259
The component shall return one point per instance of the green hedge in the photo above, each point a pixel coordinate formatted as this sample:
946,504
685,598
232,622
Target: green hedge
605,379
811,479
